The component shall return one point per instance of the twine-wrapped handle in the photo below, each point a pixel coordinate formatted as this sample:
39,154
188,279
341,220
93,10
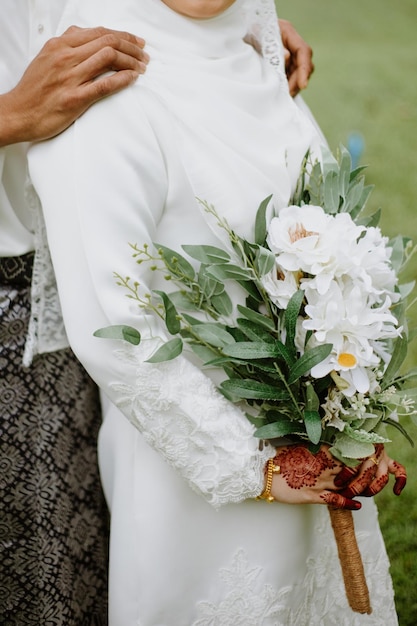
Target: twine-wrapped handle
350,560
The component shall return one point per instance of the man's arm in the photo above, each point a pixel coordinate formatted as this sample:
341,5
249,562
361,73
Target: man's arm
298,57
65,78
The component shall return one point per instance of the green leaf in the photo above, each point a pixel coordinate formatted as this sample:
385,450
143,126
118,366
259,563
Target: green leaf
331,193
183,300
229,271
127,333
223,304
401,428
345,169
290,317
253,390
277,429
175,262
213,334
248,350
265,260
257,318
260,222
398,355
208,255
313,425
308,360
312,399
171,314
345,446
170,350
254,331
204,353
370,220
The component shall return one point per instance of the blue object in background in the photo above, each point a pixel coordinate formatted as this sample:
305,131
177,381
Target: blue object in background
356,147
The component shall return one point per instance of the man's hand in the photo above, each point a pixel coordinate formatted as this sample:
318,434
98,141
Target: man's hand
298,58
65,78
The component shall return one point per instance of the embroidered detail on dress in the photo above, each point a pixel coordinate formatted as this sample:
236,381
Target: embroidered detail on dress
205,437
247,601
263,26
322,601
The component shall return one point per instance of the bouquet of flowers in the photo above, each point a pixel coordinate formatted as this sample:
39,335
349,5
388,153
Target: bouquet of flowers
314,354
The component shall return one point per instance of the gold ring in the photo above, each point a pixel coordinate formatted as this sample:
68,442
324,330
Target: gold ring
374,460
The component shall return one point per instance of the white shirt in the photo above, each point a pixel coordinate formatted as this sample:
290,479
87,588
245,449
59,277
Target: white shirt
24,29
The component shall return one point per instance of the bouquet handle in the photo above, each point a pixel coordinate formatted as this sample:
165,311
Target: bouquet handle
350,560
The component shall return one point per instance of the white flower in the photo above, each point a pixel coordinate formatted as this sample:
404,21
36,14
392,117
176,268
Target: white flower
309,240
280,285
344,318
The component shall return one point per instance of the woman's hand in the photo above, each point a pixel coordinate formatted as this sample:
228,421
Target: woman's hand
306,478
371,476
298,58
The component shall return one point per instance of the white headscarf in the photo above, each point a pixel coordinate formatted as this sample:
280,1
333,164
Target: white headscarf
234,115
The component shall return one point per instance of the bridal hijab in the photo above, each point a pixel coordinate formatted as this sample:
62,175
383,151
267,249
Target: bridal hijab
214,86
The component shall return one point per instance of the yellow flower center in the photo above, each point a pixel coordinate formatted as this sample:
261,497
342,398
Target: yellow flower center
345,359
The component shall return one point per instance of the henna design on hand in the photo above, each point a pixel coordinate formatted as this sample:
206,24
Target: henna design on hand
376,486
301,468
359,486
338,501
345,475
400,474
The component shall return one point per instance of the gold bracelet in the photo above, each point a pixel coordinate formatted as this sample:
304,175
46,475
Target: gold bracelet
271,469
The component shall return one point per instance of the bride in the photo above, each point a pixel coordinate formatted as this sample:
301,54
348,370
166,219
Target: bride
212,119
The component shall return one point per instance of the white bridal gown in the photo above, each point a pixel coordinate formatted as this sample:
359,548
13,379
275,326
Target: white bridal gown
190,546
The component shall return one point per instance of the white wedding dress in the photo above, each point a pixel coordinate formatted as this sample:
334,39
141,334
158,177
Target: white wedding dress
190,546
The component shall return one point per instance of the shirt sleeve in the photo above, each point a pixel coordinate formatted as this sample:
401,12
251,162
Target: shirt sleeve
104,183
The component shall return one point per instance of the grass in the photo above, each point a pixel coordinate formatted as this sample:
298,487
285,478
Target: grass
365,83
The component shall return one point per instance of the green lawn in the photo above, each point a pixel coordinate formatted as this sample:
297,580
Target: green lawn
365,82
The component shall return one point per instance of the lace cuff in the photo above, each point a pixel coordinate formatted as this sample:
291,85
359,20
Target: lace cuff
207,439
46,331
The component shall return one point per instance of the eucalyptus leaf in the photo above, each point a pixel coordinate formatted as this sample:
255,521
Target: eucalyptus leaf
183,300
308,360
223,304
204,353
229,271
249,389
126,333
209,255
168,351
175,262
172,320
265,261
213,334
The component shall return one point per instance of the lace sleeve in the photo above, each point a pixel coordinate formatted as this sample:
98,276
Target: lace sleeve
206,438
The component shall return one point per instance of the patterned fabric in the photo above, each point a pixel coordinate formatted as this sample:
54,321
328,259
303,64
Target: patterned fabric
53,518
